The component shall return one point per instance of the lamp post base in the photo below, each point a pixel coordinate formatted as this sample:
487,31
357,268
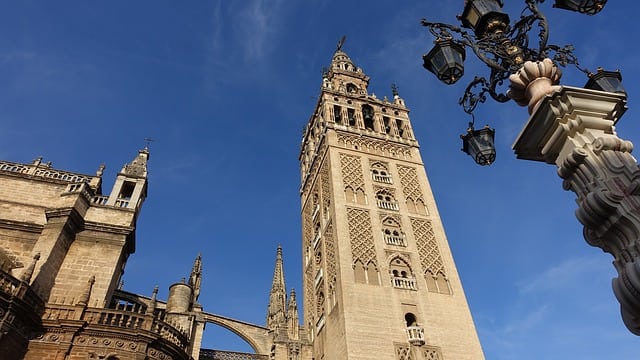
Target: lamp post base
573,128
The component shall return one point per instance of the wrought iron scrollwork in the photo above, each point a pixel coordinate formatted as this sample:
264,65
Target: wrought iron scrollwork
504,49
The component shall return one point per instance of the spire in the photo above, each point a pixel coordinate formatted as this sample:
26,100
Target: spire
137,167
343,75
293,322
277,297
195,277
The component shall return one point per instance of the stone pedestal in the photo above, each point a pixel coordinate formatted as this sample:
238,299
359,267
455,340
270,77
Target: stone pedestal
573,128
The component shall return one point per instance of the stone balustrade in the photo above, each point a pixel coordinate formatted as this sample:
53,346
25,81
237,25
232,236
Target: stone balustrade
43,170
415,334
388,205
404,283
118,320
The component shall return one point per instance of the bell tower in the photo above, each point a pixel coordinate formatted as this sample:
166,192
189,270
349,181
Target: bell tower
378,275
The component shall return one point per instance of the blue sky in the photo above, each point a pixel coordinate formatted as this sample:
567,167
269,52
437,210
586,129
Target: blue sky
225,88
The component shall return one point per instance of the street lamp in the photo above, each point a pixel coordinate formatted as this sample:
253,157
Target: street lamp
572,128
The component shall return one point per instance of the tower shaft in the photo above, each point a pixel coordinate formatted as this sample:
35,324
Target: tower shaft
378,275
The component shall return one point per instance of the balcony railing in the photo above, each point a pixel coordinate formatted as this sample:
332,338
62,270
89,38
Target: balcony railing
394,240
404,283
416,335
382,178
20,290
318,278
208,354
320,324
388,205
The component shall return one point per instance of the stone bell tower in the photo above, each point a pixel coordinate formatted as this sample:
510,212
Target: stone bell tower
378,275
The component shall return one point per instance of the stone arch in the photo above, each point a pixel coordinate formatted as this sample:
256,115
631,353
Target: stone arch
256,336
404,259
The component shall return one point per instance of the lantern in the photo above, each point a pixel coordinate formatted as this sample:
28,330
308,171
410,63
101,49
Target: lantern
446,61
610,81
589,7
479,145
484,15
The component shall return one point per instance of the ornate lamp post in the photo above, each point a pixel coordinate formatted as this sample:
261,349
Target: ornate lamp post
570,127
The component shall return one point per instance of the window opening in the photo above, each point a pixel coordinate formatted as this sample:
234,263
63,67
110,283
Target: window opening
127,190
337,114
400,127
367,115
387,124
351,115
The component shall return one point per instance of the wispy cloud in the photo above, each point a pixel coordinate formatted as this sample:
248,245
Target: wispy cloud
258,22
558,276
17,55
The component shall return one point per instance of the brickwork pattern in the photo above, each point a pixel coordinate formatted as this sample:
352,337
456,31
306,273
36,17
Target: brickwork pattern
330,253
403,352
410,184
352,171
431,353
374,146
361,235
428,251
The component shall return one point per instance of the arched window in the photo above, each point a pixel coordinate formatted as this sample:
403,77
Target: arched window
392,233
410,319
351,88
401,274
386,200
380,173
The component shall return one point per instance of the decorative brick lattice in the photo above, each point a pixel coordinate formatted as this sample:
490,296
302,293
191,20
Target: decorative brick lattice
374,146
410,184
352,171
325,187
330,249
432,353
403,352
308,296
428,251
361,235
307,234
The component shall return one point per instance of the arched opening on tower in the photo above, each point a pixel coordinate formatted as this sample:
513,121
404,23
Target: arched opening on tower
367,117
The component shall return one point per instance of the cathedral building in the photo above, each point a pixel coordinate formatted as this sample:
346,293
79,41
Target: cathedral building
379,280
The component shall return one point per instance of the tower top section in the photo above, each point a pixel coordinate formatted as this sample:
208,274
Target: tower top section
138,166
344,76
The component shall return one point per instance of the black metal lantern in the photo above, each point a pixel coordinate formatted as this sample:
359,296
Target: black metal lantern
589,7
479,145
446,61
484,15
610,81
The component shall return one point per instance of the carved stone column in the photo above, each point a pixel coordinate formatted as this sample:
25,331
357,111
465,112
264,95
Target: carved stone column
573,128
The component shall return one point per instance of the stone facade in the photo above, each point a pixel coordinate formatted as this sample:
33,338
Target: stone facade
58,299
379,281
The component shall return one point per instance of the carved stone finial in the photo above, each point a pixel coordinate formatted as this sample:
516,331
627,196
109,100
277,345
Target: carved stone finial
100,170
28,272
153,301
86,294
533,81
